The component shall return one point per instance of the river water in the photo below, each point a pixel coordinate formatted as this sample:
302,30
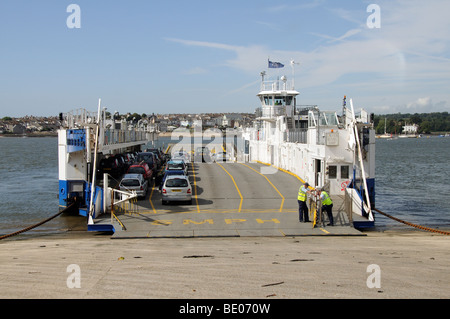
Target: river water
412,183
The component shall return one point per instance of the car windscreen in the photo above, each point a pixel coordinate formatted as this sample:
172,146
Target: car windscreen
145,158
175,166
136,170
176,183
130,182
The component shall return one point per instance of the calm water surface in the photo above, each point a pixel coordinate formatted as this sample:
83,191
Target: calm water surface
412,180
412,183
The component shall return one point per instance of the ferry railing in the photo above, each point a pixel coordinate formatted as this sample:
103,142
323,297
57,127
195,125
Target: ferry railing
270,112
120,136
277,85
296,136
78,118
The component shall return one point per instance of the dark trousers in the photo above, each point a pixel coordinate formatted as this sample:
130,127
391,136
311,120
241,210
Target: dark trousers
303,212
329,210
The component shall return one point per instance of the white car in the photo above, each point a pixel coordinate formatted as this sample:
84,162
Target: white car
181,155
135,182
176,188
222,157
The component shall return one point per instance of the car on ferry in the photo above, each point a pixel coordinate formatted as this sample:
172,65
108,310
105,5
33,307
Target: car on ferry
150,159
181,155
176,188
141,168
202,154
222,157
177,165
110,165
159,153
166,173
134,182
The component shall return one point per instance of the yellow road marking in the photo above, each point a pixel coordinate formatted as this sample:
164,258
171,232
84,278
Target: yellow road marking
230,221
234,182
195,187
150,198
327,232
262,221
287,172
189,221
282,197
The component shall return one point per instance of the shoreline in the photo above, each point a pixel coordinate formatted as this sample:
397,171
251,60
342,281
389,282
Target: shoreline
43,134
413,264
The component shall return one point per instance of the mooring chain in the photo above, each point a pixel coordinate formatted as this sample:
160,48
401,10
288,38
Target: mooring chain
36,225
413,225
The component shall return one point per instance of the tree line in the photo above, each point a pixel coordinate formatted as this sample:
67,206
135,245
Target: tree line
428,122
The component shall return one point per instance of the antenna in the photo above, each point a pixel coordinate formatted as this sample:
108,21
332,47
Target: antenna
263,74
293,63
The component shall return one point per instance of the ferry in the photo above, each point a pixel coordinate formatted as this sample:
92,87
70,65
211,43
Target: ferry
326,149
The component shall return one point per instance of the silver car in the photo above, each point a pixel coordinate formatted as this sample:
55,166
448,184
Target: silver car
176,188
135,182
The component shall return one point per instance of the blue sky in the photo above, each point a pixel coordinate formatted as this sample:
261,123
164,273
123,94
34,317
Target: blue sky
205,56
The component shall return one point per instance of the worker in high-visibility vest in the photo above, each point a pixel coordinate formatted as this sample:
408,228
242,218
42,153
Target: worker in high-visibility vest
303,212
327,205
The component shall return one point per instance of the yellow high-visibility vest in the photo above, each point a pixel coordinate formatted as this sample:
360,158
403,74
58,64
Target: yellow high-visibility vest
326,200
301,195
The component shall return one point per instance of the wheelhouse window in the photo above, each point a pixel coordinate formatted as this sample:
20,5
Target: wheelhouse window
268,100
332,171
283,100
345,172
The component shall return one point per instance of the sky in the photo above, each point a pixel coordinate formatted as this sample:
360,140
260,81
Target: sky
204,56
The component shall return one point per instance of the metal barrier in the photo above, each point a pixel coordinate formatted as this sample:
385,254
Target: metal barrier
122,202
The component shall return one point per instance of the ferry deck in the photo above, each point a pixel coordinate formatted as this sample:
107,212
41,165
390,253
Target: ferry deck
229,200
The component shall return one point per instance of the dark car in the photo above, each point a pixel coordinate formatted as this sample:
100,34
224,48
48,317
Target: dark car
150,159
110,165
159,153
157,159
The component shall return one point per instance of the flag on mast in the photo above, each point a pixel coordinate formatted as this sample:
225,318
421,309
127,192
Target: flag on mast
275,65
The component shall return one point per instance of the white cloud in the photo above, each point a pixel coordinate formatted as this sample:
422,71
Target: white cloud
407,56
348,34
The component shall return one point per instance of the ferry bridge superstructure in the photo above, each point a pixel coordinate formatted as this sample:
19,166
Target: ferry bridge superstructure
327,150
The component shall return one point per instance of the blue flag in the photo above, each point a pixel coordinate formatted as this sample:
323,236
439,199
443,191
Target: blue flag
275,65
